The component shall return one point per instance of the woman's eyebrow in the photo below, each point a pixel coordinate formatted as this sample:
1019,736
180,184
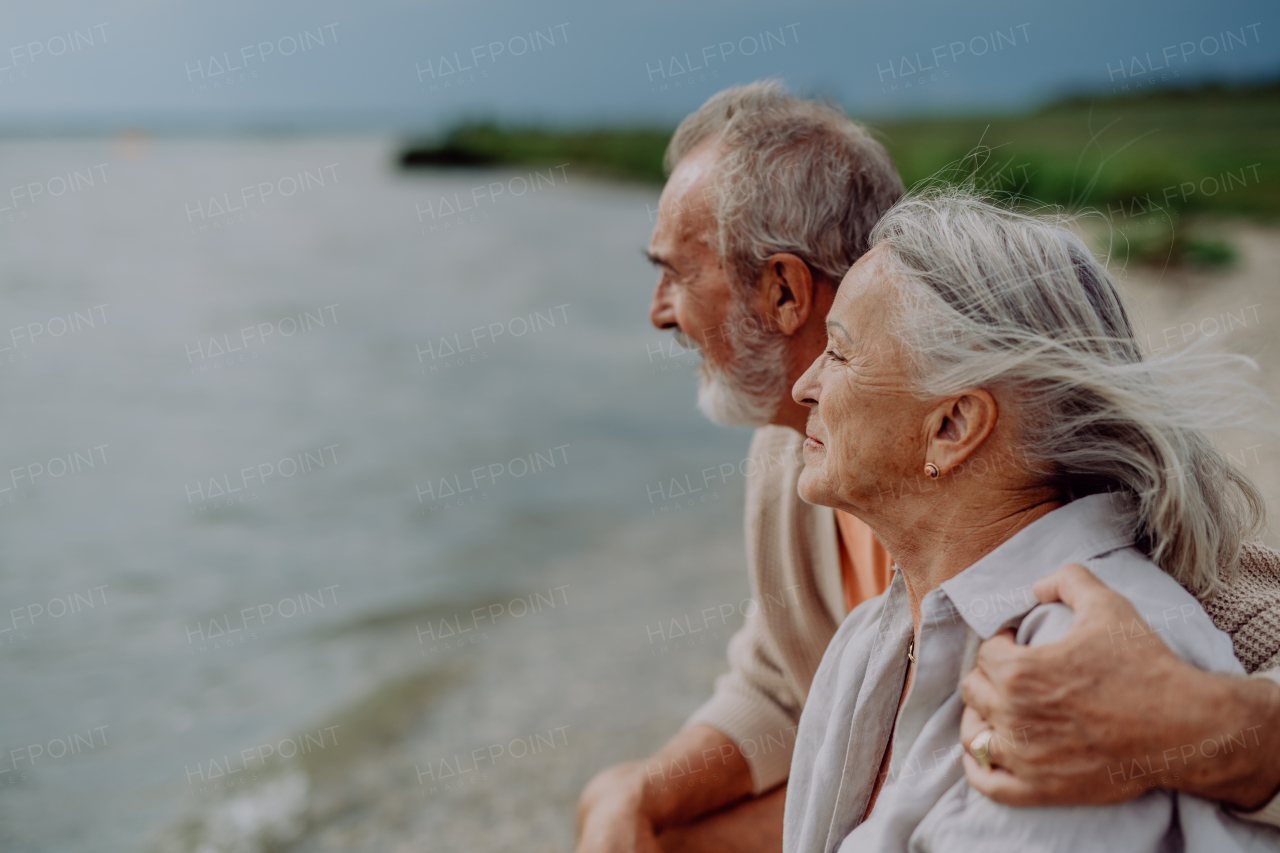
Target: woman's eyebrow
834,324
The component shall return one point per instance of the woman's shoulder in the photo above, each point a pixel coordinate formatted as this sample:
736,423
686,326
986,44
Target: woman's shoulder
1167,612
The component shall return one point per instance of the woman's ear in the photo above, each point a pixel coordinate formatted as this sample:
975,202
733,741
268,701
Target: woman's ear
959,426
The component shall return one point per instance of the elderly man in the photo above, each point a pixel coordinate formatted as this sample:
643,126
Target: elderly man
770,201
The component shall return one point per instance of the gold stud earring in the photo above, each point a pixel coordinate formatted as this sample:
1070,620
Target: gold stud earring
931,470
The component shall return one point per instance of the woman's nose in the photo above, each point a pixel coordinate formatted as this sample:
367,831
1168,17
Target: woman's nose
807,388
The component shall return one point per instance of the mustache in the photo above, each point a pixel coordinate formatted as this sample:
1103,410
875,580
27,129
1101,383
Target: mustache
686,342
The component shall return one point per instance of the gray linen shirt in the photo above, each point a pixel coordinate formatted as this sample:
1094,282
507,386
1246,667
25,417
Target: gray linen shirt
926,804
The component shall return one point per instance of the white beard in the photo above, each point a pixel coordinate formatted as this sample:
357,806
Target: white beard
728,405
748,390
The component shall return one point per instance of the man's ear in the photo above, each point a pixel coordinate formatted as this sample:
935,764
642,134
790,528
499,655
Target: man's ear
959,426
784,292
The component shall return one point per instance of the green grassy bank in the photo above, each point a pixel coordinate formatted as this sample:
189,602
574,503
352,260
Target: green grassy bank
1209,149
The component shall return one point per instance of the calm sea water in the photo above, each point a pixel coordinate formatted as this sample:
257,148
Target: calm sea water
262,422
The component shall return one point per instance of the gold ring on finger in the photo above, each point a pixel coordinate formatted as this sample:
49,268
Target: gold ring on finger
979,748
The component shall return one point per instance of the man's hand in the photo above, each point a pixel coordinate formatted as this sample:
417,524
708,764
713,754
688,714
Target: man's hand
610,814
1072,717
624,808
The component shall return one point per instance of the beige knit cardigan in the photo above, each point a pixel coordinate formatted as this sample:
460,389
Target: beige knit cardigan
795,580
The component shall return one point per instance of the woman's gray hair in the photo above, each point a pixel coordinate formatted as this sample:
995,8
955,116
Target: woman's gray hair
793,176
999,299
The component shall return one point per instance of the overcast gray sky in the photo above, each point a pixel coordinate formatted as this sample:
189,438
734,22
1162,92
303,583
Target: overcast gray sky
390,63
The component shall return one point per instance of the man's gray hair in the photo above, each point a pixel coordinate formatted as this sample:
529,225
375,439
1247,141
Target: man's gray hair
999,299
793,176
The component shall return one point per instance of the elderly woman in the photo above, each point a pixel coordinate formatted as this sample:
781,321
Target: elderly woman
983,405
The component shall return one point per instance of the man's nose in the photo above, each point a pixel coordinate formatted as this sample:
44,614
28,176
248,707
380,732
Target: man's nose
662,311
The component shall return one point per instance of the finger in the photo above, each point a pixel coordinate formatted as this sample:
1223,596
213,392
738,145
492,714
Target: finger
978,692
1001,746
972,724
997,652
1002,749
1072,584
1000,785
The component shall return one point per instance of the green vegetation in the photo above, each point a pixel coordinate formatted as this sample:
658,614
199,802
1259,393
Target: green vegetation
1150,241
627,154
1210,150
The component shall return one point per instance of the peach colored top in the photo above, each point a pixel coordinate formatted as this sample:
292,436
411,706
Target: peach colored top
865,566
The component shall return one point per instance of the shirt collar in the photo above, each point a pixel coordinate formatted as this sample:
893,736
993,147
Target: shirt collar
996,590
